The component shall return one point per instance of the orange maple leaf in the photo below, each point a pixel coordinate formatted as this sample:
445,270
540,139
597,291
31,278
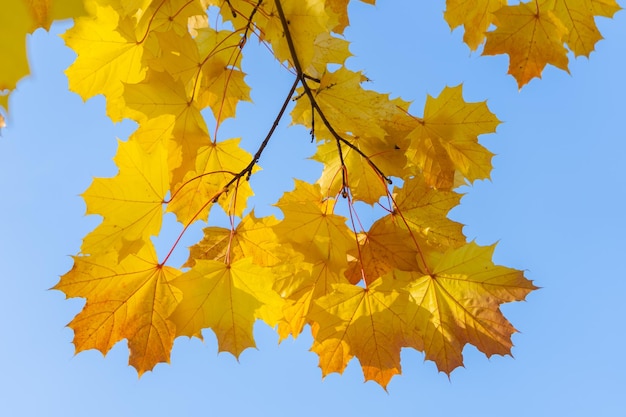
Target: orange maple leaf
131,299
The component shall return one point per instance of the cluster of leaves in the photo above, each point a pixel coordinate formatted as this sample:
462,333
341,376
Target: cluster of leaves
410,280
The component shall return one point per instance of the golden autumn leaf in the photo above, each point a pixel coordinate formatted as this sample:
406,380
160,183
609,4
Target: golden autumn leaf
167,16
424,210
387,245
17,19
216,165
253,238
310,281
347,105
317,243
578,17
328,50
475,16
532,36
307,19
362,322
445,141
457,302
109,55
132,201
228,299
222,84
130,299
410,280
340,8
158,95
311,227
364,182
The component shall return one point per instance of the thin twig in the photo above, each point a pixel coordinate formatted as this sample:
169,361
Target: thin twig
247,171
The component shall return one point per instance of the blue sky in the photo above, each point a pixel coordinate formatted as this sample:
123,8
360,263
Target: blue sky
555,204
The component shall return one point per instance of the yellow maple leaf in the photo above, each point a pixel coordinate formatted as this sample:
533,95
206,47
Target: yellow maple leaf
340,8
160,94
320,241
215,167
446,139
253,238
348,107
227,298
167,16
532,36
577,16
131,299
363,180
311,227
109,55
387,245
300,288
131,202
362,322
425,210
475,16
17,19
306,19
222,84
457,302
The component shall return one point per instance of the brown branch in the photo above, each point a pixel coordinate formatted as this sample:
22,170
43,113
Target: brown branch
247,171
302,77
244,38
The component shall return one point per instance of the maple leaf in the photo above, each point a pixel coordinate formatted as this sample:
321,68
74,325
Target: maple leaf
364,181
362,322
216,166
160,94
253,238
445,141
387,245
227,298
327,50
320,241
348,107
307,19
578,19
130,299
131,202
109,55
475,16
308,282
167,16
457,302
424,210
19,18
223,85
309,214
409,280
340,8
532,36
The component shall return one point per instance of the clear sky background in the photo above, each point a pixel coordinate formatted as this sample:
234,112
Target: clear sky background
555,204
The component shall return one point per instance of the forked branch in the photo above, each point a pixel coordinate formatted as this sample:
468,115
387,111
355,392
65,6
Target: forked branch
302,78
